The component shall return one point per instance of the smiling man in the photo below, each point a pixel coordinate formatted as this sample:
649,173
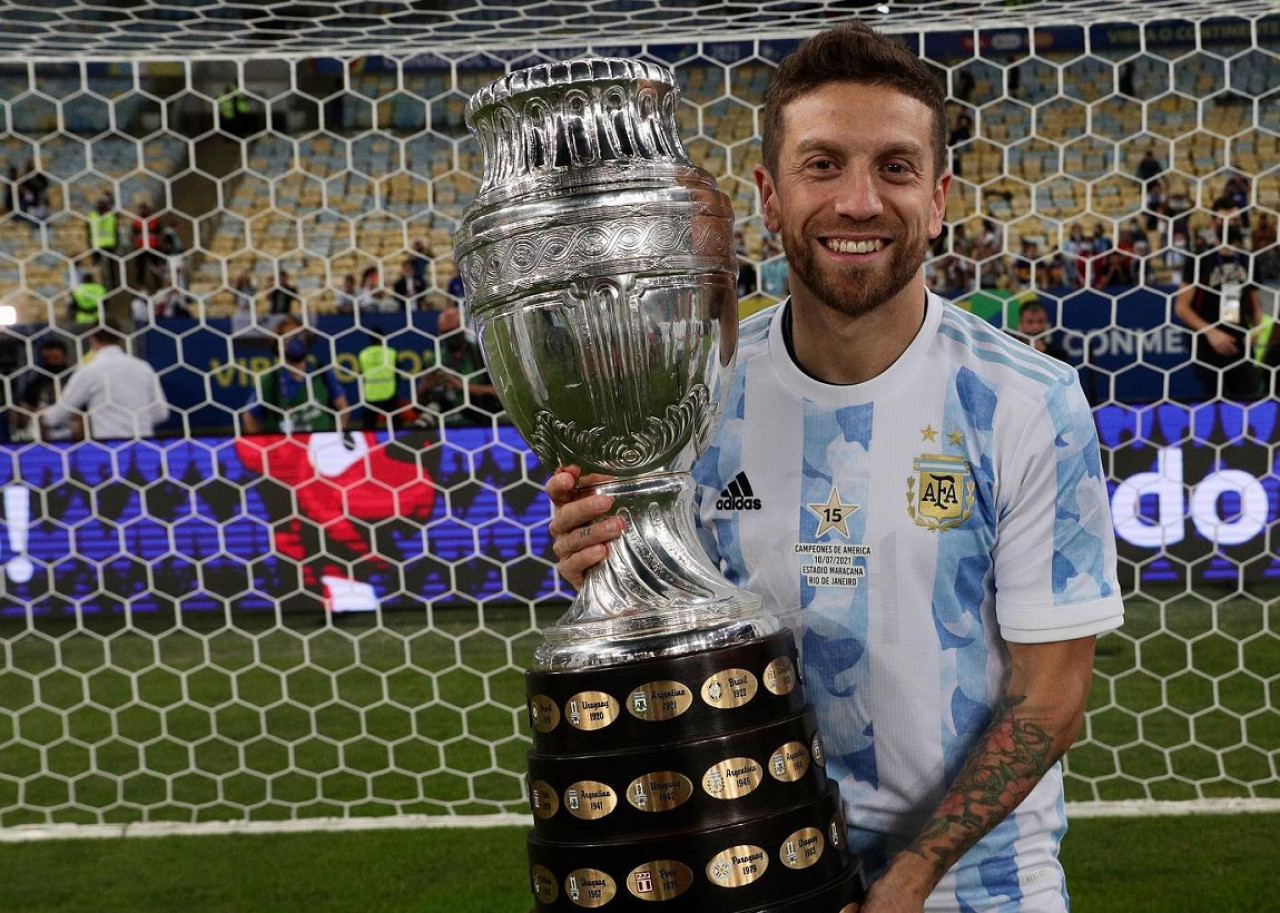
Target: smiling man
928,505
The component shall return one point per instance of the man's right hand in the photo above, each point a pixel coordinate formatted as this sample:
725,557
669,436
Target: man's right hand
581,537
1221,341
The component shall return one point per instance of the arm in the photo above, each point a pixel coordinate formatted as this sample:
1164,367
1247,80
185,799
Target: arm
1221,341
1032,727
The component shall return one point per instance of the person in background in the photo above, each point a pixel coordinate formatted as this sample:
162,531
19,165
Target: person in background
292,397
145,235
103,226
458,388
86,300
951,672
407,289
43,388
1217,304
284,296
1033,329
344,299
114,394
379,381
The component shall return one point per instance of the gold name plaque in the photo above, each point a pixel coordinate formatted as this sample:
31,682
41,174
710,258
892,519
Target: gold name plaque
590,799
732,778
543,799
790,762
780,676
662,879
589,887
656,701
730,688
836,831
816,749
738,866
590,710
660,791
544,884
544,715
802,849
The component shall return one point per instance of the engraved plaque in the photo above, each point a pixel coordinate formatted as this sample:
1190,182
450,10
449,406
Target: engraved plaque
790,762
730,688
544,884
732,778
589,710
543,799
836,831
544,715
662,700
662,879
737,866
590,799
802,849
589,887
780,676
660,791
816,750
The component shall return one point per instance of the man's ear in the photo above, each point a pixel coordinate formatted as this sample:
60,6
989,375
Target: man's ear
768,199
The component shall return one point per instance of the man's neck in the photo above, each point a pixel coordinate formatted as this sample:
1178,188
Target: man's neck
836,348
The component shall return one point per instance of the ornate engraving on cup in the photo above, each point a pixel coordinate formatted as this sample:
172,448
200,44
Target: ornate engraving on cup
590,887
588,800
780,676
657,701
660,791
732,778
802,849
590,710
730,688
661,879
790,762
738,866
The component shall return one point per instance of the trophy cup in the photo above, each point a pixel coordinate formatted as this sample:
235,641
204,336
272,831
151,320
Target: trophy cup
675,764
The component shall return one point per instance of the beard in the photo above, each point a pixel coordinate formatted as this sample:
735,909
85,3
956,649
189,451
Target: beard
856,290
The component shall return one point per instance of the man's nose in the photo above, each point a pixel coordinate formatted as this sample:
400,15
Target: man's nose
858,196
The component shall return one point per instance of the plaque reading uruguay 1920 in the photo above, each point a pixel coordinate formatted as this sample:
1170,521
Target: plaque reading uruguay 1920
669,767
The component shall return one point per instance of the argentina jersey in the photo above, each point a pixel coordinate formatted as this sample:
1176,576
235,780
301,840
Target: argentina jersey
906,528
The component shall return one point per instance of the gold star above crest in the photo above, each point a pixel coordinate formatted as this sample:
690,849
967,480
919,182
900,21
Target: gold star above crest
929,433
834,514
956,438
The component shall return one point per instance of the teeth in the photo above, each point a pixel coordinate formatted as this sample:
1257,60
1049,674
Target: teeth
841,246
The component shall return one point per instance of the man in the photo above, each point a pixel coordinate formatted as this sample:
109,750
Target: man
86,300
459,389
291,397
379,381
408,289
104,237
115,394
42,389
1218,305
1033,329
951,665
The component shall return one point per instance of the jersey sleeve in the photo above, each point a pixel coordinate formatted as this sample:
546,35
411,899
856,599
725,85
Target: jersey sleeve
1055,554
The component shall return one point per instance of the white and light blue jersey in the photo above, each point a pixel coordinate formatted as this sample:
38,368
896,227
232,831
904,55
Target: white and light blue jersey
906,528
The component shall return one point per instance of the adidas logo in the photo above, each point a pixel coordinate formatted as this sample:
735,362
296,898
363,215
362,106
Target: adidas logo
737,495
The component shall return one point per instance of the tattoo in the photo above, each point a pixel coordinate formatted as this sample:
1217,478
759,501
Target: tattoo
1013,755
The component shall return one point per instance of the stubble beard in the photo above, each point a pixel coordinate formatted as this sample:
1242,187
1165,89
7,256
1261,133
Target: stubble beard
855,290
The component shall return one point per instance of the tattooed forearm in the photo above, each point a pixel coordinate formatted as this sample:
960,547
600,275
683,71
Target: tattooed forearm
1011,758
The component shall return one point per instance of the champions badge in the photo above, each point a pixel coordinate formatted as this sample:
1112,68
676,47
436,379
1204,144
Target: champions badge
940,495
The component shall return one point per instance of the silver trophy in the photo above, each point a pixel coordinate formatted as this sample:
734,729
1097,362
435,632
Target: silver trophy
674,757
600,275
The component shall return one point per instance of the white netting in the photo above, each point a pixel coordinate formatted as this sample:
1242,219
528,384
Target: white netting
165,649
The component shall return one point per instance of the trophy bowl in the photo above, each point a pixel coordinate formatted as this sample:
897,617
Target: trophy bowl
600,276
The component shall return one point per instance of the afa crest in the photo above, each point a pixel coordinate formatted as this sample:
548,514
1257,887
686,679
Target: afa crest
940,494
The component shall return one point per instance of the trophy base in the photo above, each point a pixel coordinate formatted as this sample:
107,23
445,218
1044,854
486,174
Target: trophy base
637,639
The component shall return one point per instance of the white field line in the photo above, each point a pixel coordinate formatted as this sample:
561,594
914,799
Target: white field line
32,832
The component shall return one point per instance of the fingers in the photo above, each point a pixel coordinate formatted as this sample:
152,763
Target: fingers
579,529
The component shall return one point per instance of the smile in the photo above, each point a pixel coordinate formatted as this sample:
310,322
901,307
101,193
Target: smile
844,246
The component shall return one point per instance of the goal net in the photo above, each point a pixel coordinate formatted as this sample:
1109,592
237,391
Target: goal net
210,625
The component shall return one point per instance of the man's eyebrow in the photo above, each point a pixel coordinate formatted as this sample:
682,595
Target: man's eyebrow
903,148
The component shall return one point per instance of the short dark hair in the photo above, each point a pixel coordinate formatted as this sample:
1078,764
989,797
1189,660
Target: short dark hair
1031,306
852,52
1223,203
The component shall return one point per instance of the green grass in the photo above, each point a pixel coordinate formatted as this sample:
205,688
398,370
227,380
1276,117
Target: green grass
423,714
1114,865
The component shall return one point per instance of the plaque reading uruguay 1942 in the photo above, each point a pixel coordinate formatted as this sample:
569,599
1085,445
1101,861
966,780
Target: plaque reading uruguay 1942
600,275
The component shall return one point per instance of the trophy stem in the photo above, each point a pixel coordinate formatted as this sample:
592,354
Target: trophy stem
653,595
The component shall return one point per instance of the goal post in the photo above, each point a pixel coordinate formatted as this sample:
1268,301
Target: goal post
214,627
